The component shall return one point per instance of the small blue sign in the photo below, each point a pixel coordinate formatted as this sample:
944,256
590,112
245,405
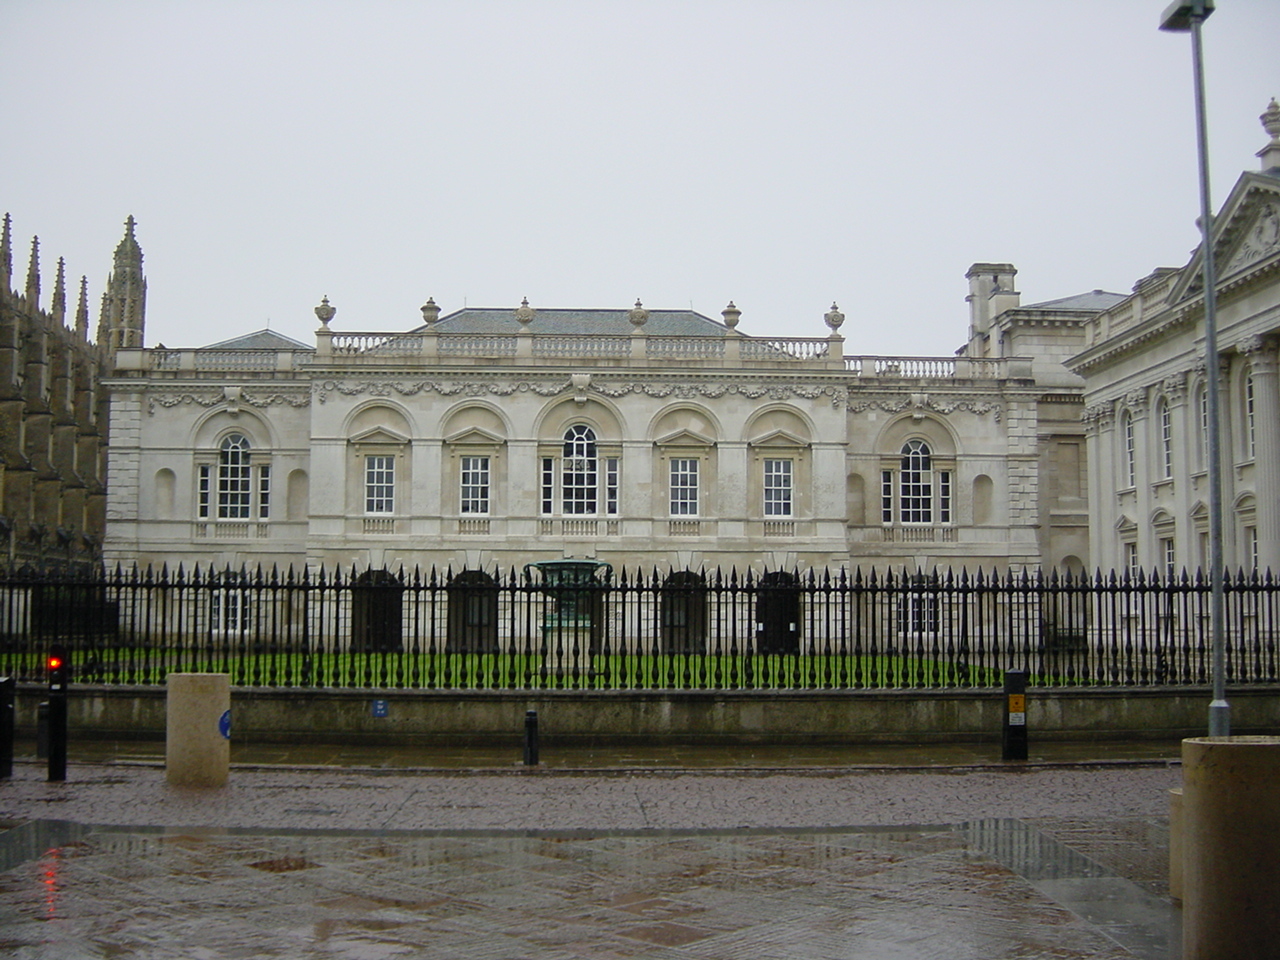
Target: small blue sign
224,724
380,708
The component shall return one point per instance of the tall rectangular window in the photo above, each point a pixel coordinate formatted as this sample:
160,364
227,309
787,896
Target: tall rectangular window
1131,558
203,491
944,496
548,485
611,477
777,488
1249,416
1166,441
1169,557
684,488
886,496
475,485
379,484
1130,451
264,492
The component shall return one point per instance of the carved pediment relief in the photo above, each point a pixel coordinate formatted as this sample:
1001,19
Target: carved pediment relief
1126,525
778,438
685,438
1258,241
379,435
475,435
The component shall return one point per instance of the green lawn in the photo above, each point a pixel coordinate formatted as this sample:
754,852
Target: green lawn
524,671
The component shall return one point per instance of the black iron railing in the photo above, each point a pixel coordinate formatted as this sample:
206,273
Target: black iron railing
631,630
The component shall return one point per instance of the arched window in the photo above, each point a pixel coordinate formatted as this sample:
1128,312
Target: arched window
233,487
923,493
585,477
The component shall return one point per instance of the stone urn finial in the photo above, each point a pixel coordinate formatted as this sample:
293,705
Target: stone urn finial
430,312
834,317
325,312
731,315
1271,119
524,312
638,315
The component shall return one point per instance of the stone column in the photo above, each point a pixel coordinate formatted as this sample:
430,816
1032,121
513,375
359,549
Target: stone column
198,729
1266,447
1231,846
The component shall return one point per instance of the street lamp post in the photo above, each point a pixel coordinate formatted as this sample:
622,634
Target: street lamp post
1182,16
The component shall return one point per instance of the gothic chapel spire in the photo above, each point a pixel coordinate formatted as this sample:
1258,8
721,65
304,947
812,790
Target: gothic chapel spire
124,305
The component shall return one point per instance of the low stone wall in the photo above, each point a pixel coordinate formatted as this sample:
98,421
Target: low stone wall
683,716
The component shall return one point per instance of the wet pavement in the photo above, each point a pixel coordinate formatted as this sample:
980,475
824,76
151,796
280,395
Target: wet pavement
891,859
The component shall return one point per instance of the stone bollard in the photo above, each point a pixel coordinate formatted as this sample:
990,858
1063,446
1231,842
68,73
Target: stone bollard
198,729
1175,844
1231,846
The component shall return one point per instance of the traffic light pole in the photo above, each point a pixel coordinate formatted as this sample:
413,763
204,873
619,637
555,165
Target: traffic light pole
59,669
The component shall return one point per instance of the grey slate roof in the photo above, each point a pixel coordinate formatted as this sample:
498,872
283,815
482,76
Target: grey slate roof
1093,302
501,320
260,340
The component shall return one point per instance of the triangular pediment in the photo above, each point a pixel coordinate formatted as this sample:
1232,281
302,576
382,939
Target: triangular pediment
1125,524
779,438
475,435
1246,234
685,438
379,435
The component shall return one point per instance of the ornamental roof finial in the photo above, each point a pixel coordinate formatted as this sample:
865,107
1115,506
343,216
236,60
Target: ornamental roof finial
524,312
731,315
638,315
834,317
324,311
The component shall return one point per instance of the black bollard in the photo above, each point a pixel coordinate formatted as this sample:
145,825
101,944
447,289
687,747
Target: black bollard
531,738
1015,715
42,730
8,689
59,669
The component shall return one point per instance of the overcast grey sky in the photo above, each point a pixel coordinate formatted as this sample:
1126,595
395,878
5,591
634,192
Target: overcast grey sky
584,154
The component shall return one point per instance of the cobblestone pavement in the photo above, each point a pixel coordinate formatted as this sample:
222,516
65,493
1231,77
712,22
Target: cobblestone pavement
982,863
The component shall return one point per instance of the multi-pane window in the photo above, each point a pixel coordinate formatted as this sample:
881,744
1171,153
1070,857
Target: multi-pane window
1202,439
915,482
264,491
1248,416
1166,441
684,487
475,485
1131,558
586,480
579,478
1169,556
235,489
229,611
920,493
379,484
777,488
1130,451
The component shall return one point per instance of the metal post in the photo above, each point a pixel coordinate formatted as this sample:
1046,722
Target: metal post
58,671
1181,17
531,738
8,688
1014,740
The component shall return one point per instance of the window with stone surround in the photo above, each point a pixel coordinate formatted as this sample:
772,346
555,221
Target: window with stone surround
233,485
586,481
917,492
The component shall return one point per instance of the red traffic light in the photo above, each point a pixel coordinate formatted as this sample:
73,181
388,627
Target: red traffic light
55,663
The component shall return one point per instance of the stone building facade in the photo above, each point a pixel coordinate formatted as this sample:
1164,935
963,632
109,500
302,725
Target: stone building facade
53,412
1145,397
655,438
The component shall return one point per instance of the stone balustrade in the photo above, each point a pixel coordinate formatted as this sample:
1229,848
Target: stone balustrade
406,349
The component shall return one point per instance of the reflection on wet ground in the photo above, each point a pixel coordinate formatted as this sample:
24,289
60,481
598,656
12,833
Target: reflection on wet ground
977,891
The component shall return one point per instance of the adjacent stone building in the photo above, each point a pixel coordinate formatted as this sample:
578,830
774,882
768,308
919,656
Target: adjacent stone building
53,412
1145,397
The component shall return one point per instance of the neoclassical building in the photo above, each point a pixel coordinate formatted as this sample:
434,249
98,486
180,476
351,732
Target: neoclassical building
1145,397
487,438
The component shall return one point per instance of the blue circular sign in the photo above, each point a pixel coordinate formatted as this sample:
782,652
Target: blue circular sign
224,725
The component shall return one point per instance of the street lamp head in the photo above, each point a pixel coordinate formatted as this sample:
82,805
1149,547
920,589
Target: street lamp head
1178,16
